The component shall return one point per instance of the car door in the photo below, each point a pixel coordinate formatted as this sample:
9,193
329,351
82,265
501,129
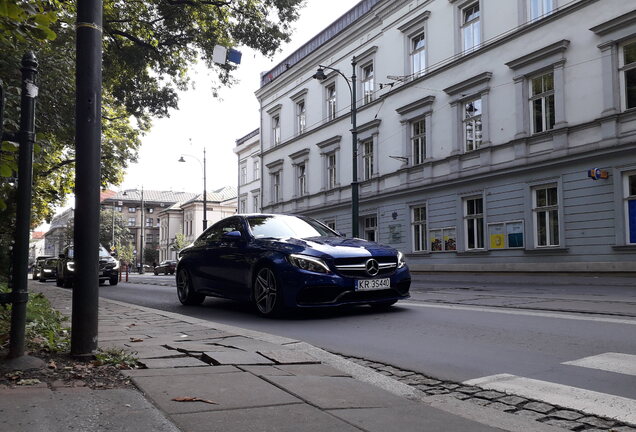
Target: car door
227,259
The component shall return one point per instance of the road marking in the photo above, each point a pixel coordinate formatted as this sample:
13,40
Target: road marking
521,312
611,362
588,401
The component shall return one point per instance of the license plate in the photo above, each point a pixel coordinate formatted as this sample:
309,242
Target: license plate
372,284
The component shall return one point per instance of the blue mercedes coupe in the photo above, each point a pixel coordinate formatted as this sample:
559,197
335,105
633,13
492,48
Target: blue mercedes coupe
280,262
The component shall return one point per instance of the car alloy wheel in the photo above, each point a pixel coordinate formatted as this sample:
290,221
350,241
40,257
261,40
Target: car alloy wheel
266,293
185,291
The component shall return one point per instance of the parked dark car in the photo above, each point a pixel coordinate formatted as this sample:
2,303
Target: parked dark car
283,261
108,268
37,266
165,267
48,270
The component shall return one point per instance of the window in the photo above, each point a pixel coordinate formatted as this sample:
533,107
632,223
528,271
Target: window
257,169
419,228
149,221
149,238
506,235
118,209
474,223
301,117
276,129
367,83
132,209
331,170
418,141
545,203
276,186
331,224
301,173
418,54
243,206
367,160
132,221
255,203
443,239
243,178
630,207
628,74
370,228
331,102
472,125
542,102
150,210
471,29
539,8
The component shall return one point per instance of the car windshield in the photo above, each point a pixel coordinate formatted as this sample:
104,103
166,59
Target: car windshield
286,227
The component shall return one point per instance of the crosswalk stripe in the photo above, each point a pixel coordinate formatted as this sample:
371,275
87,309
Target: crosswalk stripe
588,401
611,362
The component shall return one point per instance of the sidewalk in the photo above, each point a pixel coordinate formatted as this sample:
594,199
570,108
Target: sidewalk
247,381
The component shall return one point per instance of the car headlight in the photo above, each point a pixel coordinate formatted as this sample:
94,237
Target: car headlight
70,266
401,261
116,265
309,263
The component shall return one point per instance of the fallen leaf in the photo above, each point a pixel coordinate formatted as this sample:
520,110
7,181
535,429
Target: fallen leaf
193,399
52,365
133,339
27,382
13,375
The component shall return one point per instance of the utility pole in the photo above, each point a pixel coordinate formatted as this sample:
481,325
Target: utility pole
26,138
143,228
88,127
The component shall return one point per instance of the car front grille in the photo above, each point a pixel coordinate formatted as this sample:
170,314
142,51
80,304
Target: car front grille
357,267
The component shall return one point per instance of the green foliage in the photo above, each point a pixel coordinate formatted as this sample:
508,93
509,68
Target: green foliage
44,327
115,357
151,254
179,242
125,253
110,221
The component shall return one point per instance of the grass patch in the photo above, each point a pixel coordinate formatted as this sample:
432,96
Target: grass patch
117,357
45,329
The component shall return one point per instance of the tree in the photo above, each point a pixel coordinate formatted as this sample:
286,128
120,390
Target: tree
148,48
125,253
179,242
151,253
113,225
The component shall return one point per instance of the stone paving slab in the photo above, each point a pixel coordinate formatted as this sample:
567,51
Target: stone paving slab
313,370
285,356
236,358
265,370
197,347
248,344
179,371
154,352
286,418
80,409
228,390
179,362
337,392
420,418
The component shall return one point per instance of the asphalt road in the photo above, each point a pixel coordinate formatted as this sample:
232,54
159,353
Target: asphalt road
459,328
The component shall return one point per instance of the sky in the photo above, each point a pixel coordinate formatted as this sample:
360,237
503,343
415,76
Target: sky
203,121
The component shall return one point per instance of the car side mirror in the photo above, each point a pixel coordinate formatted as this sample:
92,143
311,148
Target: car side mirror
232,236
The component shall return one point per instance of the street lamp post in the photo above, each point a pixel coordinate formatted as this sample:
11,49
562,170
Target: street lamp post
205,194
320,75
143,228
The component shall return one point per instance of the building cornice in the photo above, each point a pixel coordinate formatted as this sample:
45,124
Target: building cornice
615,24
329,141
461,87
557,48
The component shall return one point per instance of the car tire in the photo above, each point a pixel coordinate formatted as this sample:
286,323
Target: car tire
165,272
383,305
42,279
35,275
267,294
156,273
113,281
58,281
185,289
66,283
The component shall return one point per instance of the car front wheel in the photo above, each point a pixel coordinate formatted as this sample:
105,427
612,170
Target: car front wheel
185,289
267,295
113,280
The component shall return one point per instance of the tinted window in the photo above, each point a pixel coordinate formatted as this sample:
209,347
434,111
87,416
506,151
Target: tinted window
287,226
214,234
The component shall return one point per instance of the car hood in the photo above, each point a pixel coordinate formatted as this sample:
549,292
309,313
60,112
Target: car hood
335,247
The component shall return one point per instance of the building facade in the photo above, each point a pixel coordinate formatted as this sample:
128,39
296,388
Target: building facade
248,151
495,135
186,217
60,233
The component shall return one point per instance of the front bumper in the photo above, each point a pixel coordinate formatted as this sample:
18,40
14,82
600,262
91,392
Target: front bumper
306,289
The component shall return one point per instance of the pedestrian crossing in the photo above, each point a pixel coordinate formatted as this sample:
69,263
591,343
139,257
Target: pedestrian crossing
592,402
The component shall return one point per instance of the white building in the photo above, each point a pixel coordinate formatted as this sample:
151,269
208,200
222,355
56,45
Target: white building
187,218
248,149
478,121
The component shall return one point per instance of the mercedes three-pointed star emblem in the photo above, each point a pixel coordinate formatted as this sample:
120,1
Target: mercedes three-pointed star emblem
372,267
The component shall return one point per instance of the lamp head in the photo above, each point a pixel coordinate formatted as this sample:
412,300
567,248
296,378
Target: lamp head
181,159
320,74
